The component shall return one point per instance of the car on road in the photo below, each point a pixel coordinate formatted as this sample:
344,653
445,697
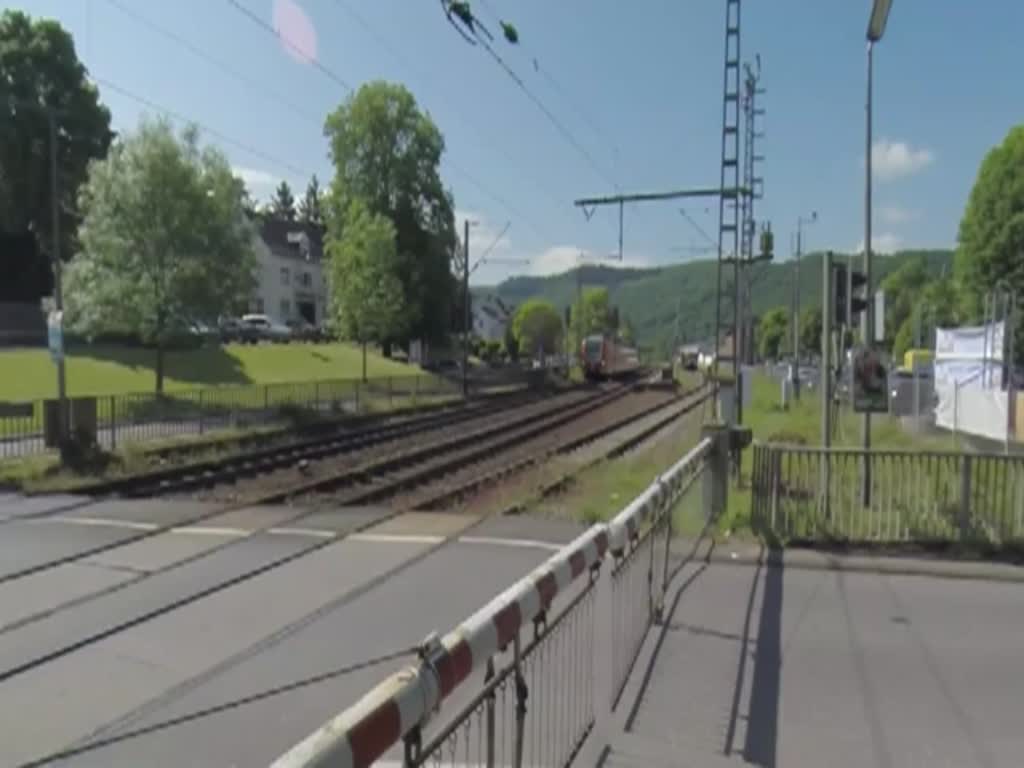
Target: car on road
266,329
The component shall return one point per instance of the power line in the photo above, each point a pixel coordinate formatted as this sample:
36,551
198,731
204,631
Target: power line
260,22
555,85
700,230
205,56
218,708
566,134
212,131
397,54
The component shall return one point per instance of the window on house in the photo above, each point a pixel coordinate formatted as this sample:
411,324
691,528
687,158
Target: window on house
258,305
286,309
307,280
285,276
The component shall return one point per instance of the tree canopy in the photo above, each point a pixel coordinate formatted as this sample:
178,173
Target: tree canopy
591,313
773,333
310,205
283,203
537,326
387,153
40,70
902,291
991,237
366,296
810,330
165,239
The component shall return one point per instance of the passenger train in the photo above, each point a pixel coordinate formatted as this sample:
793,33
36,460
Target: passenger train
603,357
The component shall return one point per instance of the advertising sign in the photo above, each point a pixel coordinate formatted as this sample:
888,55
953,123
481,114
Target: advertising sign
870,381
55,335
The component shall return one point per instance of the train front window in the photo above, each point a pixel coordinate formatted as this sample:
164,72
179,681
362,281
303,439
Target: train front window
592,348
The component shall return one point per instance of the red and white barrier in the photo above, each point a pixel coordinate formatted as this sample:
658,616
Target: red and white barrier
369,728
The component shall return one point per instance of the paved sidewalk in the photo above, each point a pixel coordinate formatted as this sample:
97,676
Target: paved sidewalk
773,664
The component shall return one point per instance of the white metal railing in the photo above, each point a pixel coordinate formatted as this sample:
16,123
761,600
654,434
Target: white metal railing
398,709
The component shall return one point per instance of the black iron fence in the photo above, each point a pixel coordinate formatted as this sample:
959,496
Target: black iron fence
30,427
814,493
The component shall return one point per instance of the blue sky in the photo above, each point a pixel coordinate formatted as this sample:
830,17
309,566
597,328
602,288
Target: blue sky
637,85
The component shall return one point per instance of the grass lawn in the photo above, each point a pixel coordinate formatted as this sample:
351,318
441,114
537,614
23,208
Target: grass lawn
801,423
29,374
600,492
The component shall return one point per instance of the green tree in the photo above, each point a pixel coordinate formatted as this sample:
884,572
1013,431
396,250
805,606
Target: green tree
810,330
902,290
773,333
39,68
366,296
283,204
626,332
591,313
165,239
387,153
537,326
991,237
511,344
310,205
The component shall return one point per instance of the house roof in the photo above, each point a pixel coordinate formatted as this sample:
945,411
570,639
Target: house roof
284,238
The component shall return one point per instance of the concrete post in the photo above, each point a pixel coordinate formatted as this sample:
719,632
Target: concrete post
716,474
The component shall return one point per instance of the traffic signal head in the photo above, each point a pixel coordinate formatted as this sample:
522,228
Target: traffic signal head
858,297
839,293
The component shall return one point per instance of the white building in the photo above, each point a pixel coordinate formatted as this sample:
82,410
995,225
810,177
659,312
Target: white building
292,284
491,317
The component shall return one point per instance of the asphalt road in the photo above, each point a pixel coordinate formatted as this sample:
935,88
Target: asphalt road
162,626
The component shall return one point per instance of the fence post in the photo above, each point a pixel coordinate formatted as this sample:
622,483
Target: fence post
490,714
716,475
358,386
200,411
113,422
776,472
521,694
965,495
266,400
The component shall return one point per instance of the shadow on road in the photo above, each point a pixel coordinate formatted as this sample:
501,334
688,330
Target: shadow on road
763,719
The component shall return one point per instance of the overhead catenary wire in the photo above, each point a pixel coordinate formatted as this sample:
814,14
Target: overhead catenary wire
200,53
226,706
237,143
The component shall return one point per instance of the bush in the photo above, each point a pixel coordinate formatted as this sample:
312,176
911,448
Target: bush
788,438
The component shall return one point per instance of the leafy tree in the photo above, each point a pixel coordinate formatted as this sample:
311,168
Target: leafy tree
902,291
626,333
366,296
773,333
387,153
591,313
40,68
810,330
537,325
165,239
310,205
991,238
511,344
283,203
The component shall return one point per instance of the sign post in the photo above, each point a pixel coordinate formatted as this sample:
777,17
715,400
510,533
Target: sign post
55,341
870,385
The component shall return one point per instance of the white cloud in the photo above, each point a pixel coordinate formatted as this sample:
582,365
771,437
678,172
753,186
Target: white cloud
895,159
894,214
562,258
255,179
886,242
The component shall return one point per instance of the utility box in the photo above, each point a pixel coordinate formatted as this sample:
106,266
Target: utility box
80,416
726,403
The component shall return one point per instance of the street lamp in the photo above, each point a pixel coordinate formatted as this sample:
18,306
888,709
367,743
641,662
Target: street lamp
876,28
800,222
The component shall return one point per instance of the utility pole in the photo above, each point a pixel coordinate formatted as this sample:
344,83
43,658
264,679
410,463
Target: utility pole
753,189
796,300
827,297
466,312
58,292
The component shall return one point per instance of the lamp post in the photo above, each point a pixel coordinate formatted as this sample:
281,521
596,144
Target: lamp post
876,28
800,222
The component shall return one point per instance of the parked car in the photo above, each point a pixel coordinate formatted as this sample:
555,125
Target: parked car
266,329
304,331
234,330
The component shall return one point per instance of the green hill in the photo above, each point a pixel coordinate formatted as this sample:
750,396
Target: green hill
649,297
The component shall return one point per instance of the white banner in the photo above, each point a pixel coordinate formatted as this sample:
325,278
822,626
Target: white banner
980,342
974,411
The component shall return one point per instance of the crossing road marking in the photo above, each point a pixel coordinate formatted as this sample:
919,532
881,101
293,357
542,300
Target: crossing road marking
521,543
312,532
103,521
395,538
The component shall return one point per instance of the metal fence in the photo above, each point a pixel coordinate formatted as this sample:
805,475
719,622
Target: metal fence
30,427
536,702
814,493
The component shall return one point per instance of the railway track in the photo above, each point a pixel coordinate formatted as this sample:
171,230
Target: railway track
52,645
371,489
